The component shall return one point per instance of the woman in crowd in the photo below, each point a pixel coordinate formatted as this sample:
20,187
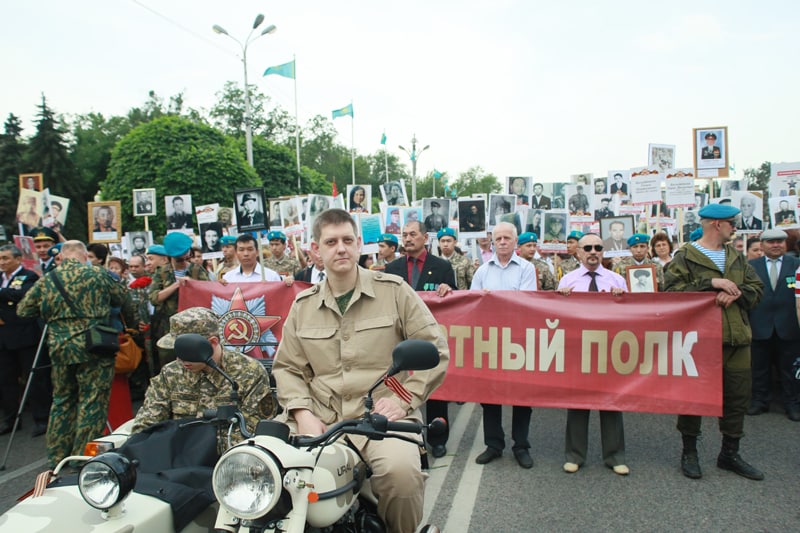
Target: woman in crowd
661,248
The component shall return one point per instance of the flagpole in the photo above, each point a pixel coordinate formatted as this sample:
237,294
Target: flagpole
352,142
296,124
386,160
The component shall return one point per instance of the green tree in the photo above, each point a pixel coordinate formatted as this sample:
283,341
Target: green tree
276,166
228,112
94,137
12,150
758,180
475,180
47,153
175,156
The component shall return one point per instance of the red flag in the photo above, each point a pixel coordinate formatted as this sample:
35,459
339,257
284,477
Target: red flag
335,192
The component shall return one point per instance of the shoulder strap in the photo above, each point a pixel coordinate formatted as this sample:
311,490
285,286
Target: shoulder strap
53,276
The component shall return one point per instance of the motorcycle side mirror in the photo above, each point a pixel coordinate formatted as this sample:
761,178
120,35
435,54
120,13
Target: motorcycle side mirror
193,348
413,354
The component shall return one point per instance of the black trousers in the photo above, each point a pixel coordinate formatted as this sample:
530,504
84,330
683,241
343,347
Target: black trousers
437,409
493,435
781,353
16,365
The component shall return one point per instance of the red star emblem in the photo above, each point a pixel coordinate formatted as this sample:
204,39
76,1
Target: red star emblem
241,327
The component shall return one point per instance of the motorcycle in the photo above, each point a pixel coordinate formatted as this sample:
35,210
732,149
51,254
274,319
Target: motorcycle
273,482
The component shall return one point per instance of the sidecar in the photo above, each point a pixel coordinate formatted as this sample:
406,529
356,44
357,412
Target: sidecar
155,481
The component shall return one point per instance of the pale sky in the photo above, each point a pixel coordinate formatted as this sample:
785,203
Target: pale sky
543,89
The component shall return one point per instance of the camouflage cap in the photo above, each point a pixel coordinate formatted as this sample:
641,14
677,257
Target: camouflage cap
193,320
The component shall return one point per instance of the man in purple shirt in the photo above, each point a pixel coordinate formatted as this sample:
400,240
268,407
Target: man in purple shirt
592,277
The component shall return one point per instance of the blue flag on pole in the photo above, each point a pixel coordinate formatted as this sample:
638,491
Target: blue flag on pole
436,174
383,138
343,112
286,70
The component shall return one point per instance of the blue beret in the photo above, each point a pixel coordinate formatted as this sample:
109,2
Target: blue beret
696,234
388,238
527,237
176,244
718,211
226,240
54,250
276,235
445,232
638,238
157,249
575,234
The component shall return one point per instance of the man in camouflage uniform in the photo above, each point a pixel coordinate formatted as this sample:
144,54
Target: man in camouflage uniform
387,249
167,281
462,267
527,250
81,381
229,260
281,262
569,262
638,245
185,390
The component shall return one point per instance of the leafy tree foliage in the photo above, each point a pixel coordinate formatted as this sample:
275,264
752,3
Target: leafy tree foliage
276,166
758,180
47,153
175,156
474,180
12,150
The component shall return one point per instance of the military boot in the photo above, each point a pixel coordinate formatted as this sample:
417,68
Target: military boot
729,459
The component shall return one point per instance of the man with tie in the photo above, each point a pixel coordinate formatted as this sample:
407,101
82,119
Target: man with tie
249,215
425,272
776,334
538,200
591,276
749,220
43,240
505,270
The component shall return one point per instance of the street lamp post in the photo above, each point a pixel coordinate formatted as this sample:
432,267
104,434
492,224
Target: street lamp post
248,127
414,155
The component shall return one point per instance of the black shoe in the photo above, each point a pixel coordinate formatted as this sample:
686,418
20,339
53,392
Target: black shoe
523,457
757,409
489,455
690,465
39,429
793,414
737,465
438,450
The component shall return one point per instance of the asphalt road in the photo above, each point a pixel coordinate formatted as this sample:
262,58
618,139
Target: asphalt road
462,496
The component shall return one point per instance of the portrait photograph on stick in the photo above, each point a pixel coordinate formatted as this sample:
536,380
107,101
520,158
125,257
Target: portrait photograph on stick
641,278
615,232
711,152
104,222
250,209
144,202
31,182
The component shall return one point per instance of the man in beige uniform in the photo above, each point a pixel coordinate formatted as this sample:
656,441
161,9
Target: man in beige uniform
337,341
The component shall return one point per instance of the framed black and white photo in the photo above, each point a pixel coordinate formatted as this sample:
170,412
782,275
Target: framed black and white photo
137,242
471,217
435,212
641,278
520,187
615,232
711,152
179,211
661,156
250,209
394,193
144,202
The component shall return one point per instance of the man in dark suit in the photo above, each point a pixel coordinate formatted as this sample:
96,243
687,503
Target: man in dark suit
749,220
619,187
425,272
249,215
19,338
710,150
776,334
538,200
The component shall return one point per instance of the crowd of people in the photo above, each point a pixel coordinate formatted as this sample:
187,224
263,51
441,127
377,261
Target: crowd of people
369,304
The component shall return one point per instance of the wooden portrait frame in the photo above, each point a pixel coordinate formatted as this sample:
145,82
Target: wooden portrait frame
711,168
37,178
113,235
633,284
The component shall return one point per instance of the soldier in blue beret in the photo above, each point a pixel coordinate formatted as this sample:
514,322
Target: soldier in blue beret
229,261
712,264
526,249
387,249
638,244
279,261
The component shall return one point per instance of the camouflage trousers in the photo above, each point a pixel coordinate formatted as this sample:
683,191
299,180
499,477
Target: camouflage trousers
80,406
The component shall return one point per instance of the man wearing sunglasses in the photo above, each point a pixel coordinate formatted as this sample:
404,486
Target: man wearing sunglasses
167,281
710,264
591,276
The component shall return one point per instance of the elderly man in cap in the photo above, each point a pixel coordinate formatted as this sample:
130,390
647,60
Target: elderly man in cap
462,266
281,262
185,390
526,249
73,298
710,150
167,281
710,264
593,277
436,220
776,335
229,261
638,245
249,215
387,251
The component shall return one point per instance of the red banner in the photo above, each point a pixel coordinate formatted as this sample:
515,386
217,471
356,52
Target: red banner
658,353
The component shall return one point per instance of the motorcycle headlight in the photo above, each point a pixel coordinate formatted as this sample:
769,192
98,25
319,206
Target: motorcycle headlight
106,480
247,482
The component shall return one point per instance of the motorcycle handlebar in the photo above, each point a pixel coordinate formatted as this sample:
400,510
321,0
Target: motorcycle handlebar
373,425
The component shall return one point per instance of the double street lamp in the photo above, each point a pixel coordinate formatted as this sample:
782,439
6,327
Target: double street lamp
248,128
414,155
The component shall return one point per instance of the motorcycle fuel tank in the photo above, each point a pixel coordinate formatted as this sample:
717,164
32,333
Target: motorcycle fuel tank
336,467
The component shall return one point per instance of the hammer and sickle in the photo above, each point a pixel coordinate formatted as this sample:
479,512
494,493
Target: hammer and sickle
240,333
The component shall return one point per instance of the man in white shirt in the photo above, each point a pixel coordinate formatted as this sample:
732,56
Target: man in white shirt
505,271
250,270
